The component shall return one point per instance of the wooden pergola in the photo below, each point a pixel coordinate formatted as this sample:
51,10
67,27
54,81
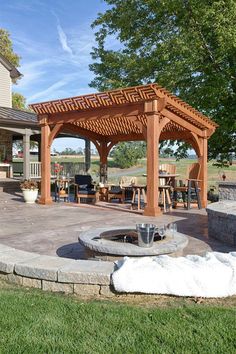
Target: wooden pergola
147,112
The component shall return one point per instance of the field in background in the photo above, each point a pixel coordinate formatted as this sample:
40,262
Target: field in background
115,173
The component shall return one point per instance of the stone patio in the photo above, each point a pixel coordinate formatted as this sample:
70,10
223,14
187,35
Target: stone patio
54,230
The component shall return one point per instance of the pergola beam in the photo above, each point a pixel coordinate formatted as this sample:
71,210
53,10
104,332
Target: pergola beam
97,114
183,123
183,106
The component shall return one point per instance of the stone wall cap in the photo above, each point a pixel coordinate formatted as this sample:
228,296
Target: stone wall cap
10,258
224,206
43,267
231,183
86,272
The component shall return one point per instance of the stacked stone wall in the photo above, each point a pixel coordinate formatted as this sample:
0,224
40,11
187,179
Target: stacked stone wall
222,221
5,144
227,190
82,277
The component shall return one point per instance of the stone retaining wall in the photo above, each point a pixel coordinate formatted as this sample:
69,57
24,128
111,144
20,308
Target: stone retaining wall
56,274
227,190
222,221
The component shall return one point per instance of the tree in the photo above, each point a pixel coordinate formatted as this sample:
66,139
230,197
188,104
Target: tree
187,46
6,48
127,154
68,151
18,101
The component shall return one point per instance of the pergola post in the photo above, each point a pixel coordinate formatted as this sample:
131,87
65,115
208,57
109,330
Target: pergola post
202,159
26,154
45,162
87,154
103,152
153,132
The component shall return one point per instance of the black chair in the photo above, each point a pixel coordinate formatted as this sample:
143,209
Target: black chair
116,192
85,189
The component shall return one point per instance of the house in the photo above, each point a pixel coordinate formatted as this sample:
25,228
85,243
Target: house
14,124
18,125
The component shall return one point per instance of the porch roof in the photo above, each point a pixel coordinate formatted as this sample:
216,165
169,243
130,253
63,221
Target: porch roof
13,116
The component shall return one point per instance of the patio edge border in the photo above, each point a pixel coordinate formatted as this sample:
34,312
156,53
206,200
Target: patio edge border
56,274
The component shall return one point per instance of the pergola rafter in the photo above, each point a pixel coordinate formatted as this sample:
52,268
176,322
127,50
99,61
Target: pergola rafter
147,112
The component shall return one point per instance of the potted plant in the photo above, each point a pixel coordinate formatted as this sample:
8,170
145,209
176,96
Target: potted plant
30,190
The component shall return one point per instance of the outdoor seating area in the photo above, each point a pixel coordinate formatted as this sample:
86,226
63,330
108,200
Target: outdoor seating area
172,192
147,112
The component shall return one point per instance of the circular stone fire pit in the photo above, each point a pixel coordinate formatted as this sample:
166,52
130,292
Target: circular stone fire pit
111,242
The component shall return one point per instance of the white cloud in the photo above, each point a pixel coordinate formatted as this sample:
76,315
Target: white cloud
45,93
32,72
62,35
63,39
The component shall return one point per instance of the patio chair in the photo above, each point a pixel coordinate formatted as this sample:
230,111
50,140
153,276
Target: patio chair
85,189
190,187
168,168
166,186
116,192
126,182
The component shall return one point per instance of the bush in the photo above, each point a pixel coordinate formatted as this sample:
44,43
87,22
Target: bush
212,194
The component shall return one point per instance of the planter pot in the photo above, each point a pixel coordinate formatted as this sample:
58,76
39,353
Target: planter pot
30,195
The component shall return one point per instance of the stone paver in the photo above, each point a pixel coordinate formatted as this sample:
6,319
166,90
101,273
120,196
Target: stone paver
54,230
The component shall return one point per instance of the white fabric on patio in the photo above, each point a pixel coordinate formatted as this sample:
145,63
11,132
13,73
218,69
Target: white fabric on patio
213,275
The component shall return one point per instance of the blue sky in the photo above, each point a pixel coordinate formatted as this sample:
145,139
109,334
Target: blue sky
54,40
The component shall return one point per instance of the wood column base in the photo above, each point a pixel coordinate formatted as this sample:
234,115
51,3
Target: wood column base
152,211
204,203
45,201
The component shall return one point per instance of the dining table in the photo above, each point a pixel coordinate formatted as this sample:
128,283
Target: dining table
166,181
169,177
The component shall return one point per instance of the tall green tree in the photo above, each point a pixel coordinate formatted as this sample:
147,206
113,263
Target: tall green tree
6,49
187,46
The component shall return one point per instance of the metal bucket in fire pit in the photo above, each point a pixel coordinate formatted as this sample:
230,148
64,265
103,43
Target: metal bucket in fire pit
146,234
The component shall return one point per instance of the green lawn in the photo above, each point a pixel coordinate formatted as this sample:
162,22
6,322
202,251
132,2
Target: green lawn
35,322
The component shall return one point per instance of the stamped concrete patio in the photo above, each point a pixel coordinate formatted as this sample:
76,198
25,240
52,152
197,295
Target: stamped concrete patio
54,230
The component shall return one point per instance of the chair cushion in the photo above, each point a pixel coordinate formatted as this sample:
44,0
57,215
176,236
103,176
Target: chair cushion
83,180
115,191
86,192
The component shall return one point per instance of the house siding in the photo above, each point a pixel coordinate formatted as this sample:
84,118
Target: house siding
5,87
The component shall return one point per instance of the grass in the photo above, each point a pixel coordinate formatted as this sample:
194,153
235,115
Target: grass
35,322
